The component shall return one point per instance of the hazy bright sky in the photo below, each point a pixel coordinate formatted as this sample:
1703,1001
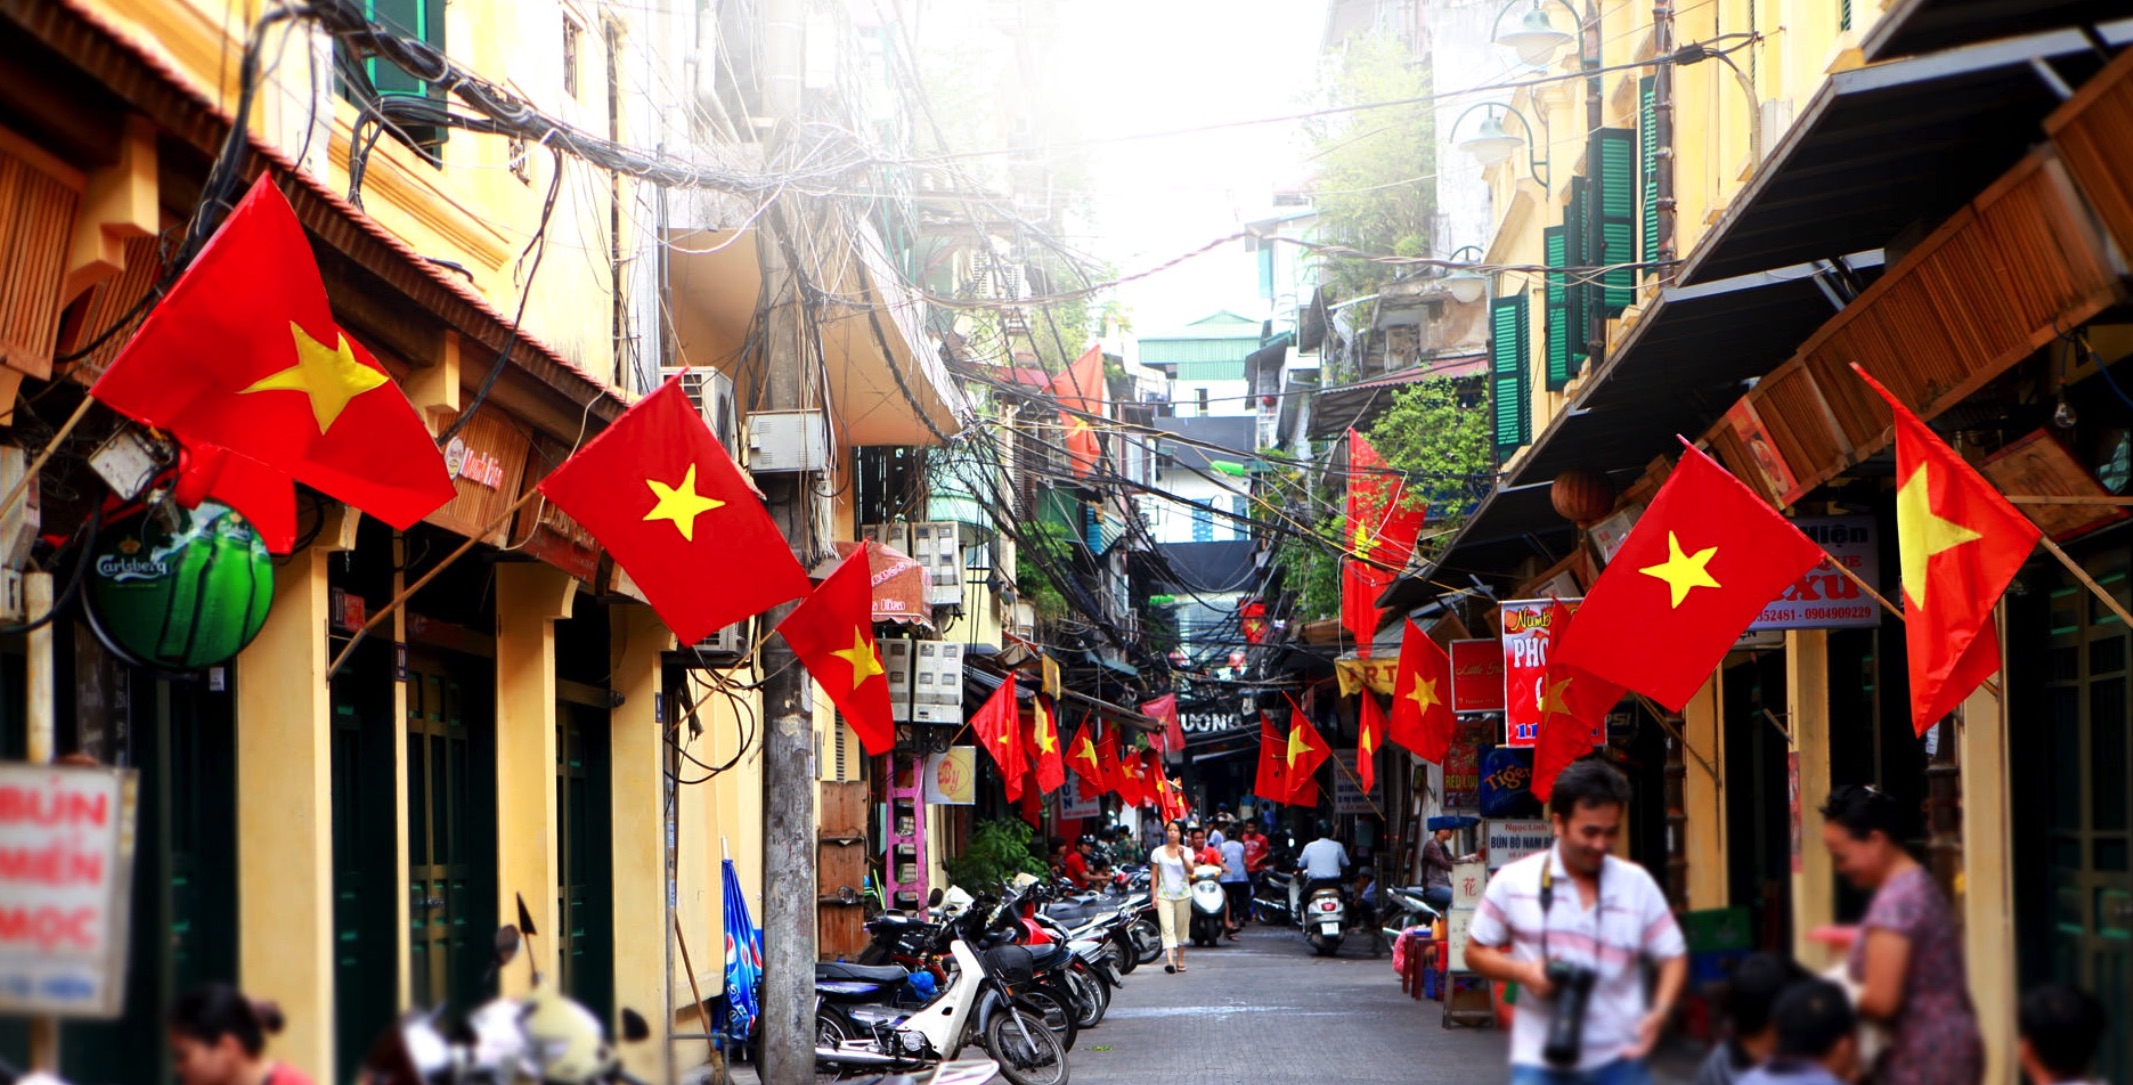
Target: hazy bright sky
1158,65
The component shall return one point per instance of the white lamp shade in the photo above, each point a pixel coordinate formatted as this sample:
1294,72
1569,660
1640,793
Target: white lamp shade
1490,144
1465,286
1536,40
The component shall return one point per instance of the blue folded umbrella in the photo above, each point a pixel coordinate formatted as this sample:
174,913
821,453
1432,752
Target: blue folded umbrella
744,961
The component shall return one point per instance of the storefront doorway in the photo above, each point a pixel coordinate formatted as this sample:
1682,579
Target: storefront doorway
451,827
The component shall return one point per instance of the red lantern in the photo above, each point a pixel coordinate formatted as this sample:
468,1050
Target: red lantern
1582,496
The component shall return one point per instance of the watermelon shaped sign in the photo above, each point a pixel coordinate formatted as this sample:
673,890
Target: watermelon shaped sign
183,588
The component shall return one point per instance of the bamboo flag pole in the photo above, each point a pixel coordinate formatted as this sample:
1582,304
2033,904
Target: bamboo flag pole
2087,581
408,592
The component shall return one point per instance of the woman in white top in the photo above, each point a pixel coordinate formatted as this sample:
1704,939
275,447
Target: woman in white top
1173,895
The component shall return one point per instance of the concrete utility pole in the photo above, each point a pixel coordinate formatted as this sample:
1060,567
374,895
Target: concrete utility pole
787,1025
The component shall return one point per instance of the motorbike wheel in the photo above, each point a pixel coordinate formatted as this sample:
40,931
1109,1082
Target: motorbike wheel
1027,1051
1149,938
1092,996
1326,947
1122,953
832,1027
1055,1007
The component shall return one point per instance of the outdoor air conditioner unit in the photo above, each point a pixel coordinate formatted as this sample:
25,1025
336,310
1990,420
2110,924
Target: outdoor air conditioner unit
726,645
712,393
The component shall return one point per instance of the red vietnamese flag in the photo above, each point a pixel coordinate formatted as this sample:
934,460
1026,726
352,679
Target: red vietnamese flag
1081,757
1044,745
244,353
1704,560
1272,783
1380,536
265,496
1422,694
1573,706
1107,764
994,724
1134,789
1171,739
832,631
1307,751
1369,738
1079,388
666,500
1960,544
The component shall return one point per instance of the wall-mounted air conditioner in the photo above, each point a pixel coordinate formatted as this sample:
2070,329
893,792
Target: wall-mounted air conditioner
712,393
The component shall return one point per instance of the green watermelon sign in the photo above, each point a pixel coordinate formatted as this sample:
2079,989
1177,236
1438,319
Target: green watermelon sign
183,588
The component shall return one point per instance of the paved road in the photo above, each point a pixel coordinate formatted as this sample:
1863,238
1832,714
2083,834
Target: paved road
1264,1010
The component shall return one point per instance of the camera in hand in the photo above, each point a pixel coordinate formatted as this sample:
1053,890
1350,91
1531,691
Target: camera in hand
1566,1029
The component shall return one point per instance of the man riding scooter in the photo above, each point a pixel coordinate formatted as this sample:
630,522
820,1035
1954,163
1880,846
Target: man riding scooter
1324,871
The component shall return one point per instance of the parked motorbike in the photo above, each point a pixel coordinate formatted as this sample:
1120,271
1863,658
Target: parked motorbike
1274,898
1208,902
1402,908
545,1036
982,1003
1325,920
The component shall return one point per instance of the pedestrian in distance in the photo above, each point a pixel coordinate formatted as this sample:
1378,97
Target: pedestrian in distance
1171,866
1907,960
1236,884
2060,1026
1205,853
1751,997
219,1037
1437,863
1572,926
1076,863
1816,1038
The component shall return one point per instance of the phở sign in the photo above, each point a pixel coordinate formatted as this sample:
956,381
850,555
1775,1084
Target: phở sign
66,874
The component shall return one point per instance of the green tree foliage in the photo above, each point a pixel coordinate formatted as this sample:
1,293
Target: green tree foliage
1375,169
999,850
1436,435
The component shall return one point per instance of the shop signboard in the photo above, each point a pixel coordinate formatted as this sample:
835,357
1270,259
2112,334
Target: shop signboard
1825,598
1455,936
1477,676
1462,765
66,876
1073,804
1510,841
952,777
1526,640
1348,794
1468,881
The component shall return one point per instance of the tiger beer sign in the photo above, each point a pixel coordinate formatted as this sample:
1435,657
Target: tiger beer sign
66,875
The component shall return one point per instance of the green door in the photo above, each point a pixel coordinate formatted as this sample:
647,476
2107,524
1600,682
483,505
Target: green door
2088,847
584,868
366,997
451,835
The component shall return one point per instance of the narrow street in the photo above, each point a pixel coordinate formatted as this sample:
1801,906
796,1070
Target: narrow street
1265,1009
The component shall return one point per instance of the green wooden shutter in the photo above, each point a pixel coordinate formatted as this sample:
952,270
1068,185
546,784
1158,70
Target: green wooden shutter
1577,253
423,19
1509,361
1613,209
1558,332
1648,153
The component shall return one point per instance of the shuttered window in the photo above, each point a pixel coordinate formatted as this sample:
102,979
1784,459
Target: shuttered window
407,102
1509,360
1555,320
1577,228
1612,206
1648,164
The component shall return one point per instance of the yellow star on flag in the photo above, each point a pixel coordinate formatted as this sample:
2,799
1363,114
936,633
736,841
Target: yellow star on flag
1424,694
1364,542
865,664
682,505
1683,571
1298,745
1085,750
331,376
1366,741
1555,697
1922,533
1078,425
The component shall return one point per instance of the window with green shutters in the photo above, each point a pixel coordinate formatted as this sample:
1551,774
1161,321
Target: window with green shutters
1577,292
421,19
1648,164
1509,360
1556,319
1612,208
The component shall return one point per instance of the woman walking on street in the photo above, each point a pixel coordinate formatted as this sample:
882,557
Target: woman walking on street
1173,895
1908,959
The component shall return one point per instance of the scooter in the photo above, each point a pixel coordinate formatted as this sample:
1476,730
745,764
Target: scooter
1325,918
980,1005
1208,903
1404,908
1274,898
544,1037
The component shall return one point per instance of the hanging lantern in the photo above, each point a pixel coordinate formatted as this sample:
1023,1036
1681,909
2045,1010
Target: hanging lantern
183,588
1582,496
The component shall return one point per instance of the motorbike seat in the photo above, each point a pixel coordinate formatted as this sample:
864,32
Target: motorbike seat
1043,957
859,973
